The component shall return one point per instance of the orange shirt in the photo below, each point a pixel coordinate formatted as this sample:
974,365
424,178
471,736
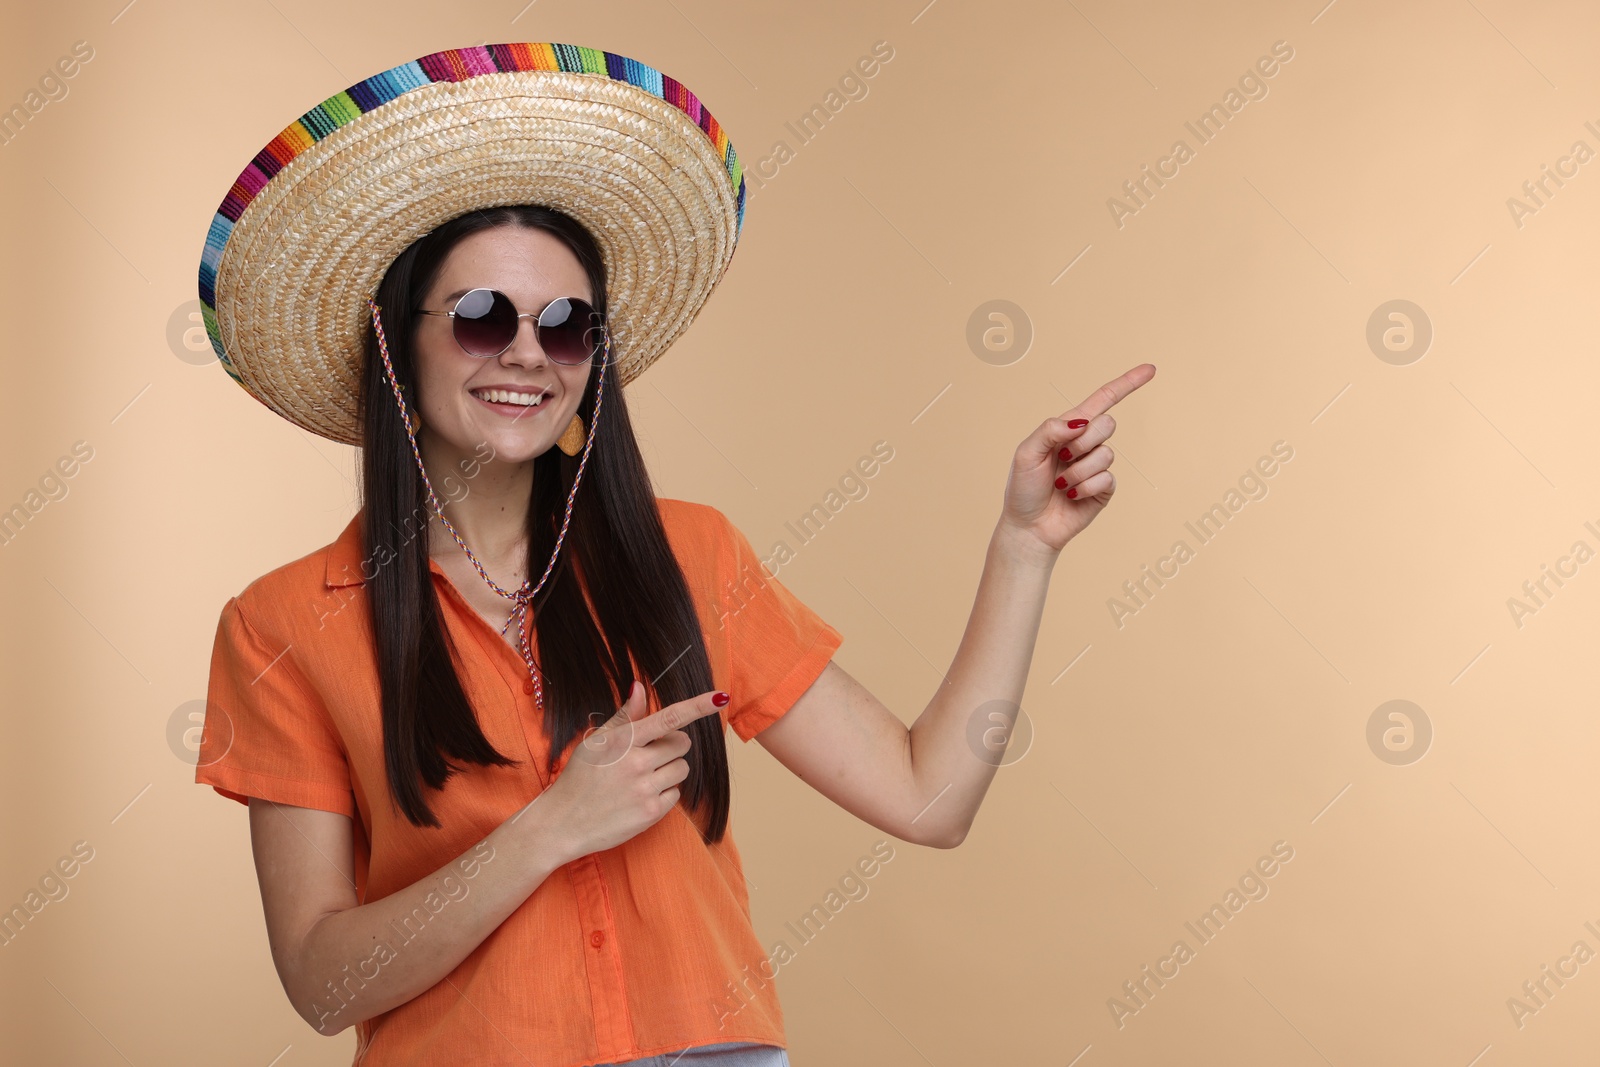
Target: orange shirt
633,951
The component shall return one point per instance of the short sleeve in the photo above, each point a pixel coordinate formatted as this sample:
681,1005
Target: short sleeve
776,645
266,731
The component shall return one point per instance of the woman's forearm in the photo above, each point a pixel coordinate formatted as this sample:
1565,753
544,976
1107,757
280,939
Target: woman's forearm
982,689
360,962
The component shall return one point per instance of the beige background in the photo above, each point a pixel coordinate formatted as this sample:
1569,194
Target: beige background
1228,714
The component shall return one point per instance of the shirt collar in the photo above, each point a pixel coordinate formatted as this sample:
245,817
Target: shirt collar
344,557
346,566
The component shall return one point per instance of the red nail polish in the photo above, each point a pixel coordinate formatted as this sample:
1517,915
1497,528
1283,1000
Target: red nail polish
1075,423
719,699
1073,492
1066,454
1061,481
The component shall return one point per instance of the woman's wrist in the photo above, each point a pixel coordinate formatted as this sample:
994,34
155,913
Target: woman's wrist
1018,545
535,841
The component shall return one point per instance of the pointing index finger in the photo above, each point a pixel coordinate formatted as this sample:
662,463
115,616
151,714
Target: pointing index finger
675,716
1102,399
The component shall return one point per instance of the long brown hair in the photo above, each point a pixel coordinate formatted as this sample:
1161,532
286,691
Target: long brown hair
615,548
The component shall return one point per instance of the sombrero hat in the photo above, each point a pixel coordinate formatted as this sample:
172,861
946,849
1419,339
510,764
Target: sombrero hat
308,229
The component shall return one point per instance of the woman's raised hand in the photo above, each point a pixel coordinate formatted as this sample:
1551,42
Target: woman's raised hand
1051,499
623,776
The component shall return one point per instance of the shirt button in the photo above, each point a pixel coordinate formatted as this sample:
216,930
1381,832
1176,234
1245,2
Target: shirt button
527,686
597,939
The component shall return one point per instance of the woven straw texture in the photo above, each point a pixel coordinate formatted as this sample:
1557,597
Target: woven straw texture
309,228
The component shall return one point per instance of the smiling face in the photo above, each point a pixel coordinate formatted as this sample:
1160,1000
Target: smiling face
532,267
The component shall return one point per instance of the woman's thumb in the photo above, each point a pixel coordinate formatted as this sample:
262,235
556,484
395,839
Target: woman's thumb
633,705
611,740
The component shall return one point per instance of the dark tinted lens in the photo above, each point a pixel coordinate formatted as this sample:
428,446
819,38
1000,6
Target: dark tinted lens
570,331
485,322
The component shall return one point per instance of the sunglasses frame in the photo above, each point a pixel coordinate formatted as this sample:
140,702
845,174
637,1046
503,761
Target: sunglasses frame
605,333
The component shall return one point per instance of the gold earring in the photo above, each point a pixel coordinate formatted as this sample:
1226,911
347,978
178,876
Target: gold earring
571,441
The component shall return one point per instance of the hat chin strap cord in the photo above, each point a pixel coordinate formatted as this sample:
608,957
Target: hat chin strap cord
523,595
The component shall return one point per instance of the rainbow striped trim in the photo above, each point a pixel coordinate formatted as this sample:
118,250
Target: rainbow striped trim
451,65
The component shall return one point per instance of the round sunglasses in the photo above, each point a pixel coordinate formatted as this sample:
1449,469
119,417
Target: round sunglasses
485,323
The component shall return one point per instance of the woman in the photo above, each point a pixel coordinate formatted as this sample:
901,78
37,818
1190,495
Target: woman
466,848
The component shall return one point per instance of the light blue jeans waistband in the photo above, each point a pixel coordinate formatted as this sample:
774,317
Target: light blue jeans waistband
727,1054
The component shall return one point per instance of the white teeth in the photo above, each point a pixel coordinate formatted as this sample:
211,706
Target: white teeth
501,396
